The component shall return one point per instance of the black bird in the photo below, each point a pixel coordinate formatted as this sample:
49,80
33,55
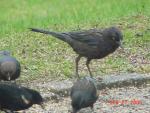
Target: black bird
92,44
16,98
9,66
83,94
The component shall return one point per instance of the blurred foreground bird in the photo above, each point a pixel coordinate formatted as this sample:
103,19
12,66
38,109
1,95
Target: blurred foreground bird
15,98
9,66
83,94
92,44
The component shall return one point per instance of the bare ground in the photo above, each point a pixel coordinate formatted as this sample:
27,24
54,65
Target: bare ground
120,100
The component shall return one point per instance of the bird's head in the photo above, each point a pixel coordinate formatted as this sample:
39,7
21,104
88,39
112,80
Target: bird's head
115,35
36,97
6,75
8,70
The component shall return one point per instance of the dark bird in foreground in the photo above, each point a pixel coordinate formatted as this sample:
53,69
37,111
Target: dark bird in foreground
9,67
16,98
83,94
92,44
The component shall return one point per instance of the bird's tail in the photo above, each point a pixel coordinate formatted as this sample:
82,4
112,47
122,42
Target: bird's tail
60,36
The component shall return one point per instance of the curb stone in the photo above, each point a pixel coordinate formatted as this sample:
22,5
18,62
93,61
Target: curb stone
62,88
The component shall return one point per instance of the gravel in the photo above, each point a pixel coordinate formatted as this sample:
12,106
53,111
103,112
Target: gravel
119,100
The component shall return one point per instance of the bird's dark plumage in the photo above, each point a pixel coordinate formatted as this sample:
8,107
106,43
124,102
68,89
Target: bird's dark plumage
83,94
15,98
9,67
92,44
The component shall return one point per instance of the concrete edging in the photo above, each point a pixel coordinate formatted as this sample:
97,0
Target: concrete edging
109,81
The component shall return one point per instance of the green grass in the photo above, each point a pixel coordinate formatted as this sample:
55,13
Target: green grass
45,56
17,15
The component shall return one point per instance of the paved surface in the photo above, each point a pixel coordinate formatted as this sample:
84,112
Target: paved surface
120,100
128,94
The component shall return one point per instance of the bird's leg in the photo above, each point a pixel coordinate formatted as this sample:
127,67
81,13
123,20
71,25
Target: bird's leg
77,61
87,64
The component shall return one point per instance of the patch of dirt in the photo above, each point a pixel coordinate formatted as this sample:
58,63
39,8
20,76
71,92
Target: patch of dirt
120,100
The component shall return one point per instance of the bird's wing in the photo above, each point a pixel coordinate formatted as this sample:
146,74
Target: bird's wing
90,37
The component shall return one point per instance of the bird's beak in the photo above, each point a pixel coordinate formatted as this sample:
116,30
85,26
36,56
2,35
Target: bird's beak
120,44
42,105
8,77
